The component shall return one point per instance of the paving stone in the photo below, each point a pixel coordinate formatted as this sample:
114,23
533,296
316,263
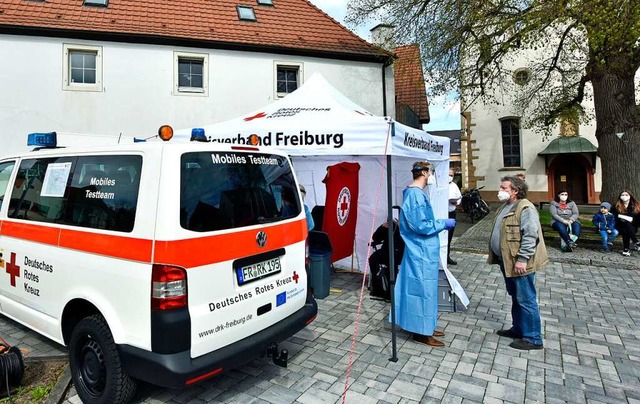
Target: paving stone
564,393
593,348
407,390
383,396
315,396
466,390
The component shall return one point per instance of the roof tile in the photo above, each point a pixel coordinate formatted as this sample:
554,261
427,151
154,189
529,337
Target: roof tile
409,81
295,24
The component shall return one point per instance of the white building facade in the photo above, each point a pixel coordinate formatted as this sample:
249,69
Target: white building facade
119,86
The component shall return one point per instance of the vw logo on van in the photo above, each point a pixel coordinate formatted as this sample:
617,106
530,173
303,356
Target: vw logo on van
261,239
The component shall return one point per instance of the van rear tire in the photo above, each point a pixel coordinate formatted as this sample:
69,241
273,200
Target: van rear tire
96,369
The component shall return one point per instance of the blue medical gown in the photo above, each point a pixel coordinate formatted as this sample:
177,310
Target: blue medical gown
310,223
416,289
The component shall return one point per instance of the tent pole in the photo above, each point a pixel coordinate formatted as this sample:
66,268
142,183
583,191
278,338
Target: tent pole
392,275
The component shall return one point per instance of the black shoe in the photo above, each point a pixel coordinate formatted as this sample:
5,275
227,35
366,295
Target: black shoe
451,262
508,333
524,345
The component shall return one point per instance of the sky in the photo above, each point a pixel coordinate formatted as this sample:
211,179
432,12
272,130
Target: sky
444,111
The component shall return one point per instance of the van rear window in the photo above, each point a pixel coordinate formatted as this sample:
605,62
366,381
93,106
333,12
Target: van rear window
99,192
226,190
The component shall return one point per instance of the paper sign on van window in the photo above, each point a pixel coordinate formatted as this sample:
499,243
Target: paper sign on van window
55,179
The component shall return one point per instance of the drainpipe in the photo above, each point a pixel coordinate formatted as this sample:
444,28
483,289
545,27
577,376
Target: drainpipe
384,90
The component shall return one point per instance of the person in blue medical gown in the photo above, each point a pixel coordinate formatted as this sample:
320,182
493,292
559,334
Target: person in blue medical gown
416,289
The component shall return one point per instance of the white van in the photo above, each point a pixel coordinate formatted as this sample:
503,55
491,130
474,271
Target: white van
162,262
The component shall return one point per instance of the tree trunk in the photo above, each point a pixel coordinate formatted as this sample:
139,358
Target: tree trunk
618,132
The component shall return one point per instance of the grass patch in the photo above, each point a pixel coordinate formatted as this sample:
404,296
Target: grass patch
38,381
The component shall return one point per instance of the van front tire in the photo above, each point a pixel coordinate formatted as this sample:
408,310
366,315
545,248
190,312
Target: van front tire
96,369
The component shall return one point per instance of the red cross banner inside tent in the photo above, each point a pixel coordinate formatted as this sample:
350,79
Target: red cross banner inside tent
341,208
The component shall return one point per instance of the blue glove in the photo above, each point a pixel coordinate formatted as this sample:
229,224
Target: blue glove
449,224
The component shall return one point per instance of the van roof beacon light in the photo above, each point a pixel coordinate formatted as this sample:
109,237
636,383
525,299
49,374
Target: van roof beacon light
48,139
165,132
197,135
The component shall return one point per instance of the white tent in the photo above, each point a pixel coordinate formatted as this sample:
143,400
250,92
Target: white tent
318,126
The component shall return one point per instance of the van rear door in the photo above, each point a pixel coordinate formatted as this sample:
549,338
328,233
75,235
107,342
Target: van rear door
247,231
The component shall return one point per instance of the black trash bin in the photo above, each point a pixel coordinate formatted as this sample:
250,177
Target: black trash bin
320,263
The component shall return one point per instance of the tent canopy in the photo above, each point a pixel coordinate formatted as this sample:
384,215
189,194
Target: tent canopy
318,120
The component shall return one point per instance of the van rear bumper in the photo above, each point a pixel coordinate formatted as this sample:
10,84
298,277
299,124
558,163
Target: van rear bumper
175,370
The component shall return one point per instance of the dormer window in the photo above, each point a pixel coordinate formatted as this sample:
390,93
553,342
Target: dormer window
96,3
246,13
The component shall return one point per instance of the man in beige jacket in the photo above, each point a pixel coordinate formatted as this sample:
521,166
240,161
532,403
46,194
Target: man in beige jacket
517,245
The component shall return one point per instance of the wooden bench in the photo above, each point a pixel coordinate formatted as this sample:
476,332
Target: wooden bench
589,238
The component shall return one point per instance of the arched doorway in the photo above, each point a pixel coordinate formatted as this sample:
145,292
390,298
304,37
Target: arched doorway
573,173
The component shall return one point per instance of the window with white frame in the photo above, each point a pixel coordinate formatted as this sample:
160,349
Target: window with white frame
287,78
246,13
82,68
191,73
511,142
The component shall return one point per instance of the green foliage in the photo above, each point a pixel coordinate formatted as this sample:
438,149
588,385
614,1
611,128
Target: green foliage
38,393
470,46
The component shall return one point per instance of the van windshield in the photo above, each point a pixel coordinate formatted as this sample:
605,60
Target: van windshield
226,190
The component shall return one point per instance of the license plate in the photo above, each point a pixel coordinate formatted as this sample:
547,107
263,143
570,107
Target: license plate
258,270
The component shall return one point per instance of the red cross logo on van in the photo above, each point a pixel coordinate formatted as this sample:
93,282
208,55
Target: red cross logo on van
13,269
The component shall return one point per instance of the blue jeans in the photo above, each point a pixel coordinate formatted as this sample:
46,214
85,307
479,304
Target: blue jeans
608,238
563,230
524,306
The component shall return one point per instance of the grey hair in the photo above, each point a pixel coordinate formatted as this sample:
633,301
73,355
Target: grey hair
517,184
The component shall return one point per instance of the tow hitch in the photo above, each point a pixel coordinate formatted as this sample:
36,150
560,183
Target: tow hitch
279,358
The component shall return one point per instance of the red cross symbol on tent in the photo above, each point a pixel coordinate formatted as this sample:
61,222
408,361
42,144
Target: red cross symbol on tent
344,203
13,269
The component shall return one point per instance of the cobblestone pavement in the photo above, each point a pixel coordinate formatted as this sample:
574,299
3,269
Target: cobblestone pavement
591,333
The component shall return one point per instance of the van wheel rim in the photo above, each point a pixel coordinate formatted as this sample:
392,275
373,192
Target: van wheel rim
92,367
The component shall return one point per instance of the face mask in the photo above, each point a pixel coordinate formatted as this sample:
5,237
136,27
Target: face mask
450,179
563,198
431,180
625,198
503,196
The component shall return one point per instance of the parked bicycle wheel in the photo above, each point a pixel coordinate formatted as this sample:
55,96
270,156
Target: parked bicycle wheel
476,212
484,207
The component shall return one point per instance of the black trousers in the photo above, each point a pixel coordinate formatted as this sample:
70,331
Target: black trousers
628,232
452,215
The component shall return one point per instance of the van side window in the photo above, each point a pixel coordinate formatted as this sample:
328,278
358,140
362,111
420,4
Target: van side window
99,192
230,190
26,199
6,168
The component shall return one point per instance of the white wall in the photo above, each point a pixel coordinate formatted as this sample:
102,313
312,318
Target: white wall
137,94
487,133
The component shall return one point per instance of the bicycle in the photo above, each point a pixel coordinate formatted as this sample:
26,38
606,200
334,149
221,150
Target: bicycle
473,205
